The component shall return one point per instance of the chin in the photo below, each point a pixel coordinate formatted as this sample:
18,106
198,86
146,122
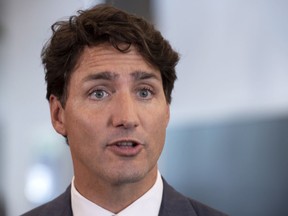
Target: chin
122,177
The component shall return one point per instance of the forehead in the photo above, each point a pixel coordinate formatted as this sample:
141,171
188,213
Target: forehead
105,57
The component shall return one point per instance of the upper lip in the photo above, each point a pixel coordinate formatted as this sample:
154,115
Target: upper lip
115,142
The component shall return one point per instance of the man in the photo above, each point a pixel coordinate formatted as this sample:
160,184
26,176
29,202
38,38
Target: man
109,80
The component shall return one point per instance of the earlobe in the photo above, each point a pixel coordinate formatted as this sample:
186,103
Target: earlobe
57,115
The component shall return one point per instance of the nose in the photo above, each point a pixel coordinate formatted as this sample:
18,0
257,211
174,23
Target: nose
125,112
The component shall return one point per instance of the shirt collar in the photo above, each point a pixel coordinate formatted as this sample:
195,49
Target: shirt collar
148,204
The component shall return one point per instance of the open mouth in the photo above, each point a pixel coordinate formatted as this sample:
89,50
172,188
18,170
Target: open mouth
125,144
126,148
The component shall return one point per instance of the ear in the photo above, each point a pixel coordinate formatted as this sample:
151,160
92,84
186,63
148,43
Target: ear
57,115
167,114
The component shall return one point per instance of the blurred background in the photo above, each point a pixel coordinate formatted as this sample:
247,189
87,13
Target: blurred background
227,142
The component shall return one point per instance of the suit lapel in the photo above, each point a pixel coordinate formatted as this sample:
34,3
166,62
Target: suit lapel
62,205
68,208
174,204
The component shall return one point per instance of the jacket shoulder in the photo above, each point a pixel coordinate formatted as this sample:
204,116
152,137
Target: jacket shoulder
60,206
204,210
176,204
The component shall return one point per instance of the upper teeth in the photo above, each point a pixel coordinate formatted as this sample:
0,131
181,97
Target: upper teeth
125,144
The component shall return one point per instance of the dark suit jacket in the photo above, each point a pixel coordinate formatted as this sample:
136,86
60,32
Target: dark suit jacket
173,204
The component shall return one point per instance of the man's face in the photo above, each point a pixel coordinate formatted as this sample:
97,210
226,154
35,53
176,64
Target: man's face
115,116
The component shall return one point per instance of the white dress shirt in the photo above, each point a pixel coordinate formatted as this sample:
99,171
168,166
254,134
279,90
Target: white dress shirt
148,204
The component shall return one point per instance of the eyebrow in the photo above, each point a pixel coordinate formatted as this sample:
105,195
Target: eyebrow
106,75
111,76
142,75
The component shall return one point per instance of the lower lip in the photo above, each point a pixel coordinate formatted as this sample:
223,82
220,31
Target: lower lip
125,151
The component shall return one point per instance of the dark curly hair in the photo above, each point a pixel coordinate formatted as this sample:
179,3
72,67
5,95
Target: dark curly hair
98,25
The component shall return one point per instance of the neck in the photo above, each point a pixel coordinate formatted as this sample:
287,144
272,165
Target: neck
111,196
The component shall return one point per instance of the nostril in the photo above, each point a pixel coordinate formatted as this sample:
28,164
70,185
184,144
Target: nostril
127,124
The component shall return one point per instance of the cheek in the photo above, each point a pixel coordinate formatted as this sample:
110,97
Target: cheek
80,126
162,117
84,138
157,127
159,116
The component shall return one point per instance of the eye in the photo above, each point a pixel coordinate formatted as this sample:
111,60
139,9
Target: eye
98,94
145,93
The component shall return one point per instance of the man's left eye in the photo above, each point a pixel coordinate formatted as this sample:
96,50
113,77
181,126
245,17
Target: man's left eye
145,93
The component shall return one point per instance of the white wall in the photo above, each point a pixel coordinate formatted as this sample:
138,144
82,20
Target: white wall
234,57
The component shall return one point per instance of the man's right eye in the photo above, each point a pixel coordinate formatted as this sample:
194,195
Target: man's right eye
98,94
